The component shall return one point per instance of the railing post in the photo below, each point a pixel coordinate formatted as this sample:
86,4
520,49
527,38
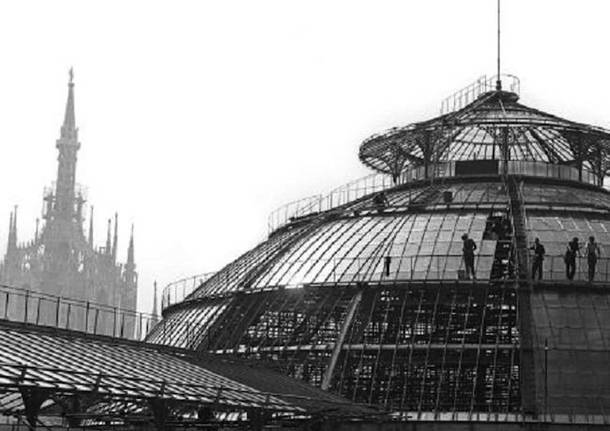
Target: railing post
97,312
25,308
87,317
57,312
114,323
122,317
38,311
6,306
68,316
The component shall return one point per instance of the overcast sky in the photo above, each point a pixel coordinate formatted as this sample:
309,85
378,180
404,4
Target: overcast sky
199,118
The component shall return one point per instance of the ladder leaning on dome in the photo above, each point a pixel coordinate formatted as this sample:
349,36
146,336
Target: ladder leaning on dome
524,287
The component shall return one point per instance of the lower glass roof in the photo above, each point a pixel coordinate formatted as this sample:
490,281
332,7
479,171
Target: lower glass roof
416,237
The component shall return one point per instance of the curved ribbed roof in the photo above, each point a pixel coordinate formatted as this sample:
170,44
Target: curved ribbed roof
494,124
349,245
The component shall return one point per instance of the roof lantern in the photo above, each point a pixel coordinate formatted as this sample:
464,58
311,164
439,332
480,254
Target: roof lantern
485,124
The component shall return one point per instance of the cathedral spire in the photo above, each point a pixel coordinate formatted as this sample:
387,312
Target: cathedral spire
13,237
115,238
68,129
67,145
91,227
9,245
130,265
108,249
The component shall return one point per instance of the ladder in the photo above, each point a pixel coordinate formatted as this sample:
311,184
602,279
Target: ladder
524,288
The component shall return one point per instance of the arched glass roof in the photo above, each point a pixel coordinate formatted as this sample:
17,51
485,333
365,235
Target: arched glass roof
493,127
419,231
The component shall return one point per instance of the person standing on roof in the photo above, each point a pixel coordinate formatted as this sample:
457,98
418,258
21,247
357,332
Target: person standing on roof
387,261
468,251
539,253
570,257
592,255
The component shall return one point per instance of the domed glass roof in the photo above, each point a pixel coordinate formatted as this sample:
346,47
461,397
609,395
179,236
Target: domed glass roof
493,127
369,295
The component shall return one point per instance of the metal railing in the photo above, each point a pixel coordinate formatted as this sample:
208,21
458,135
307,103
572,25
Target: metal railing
384,268
178,290
483,85
554,269
359,269
377,182
549,170
416,268
318,203
27,306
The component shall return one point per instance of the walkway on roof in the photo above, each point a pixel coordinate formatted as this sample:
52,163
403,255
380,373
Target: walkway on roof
51,372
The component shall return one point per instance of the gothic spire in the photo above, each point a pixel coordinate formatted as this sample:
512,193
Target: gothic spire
9,244
108,249
130,275
68,146
13,237
68,129
91,227
10,226
115,239
36,233
130,265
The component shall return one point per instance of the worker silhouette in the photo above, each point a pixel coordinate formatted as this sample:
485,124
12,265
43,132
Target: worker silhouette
468,252
572,251
593,253
387,260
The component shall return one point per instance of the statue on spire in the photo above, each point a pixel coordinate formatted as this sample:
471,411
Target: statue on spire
71,73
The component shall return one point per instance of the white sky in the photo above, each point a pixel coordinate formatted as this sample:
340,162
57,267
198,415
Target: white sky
199,118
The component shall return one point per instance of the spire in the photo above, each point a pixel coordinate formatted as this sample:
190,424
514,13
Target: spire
108,249
9,244
36,233
13,238
10,226
68,146
130,275
116,236
68,129
91,227
130,265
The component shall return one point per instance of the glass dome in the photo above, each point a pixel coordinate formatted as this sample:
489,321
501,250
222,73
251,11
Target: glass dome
370,297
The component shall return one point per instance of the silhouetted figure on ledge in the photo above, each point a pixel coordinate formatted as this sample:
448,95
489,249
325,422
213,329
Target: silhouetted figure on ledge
539,253
593,253
468,251
572,250
386,265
